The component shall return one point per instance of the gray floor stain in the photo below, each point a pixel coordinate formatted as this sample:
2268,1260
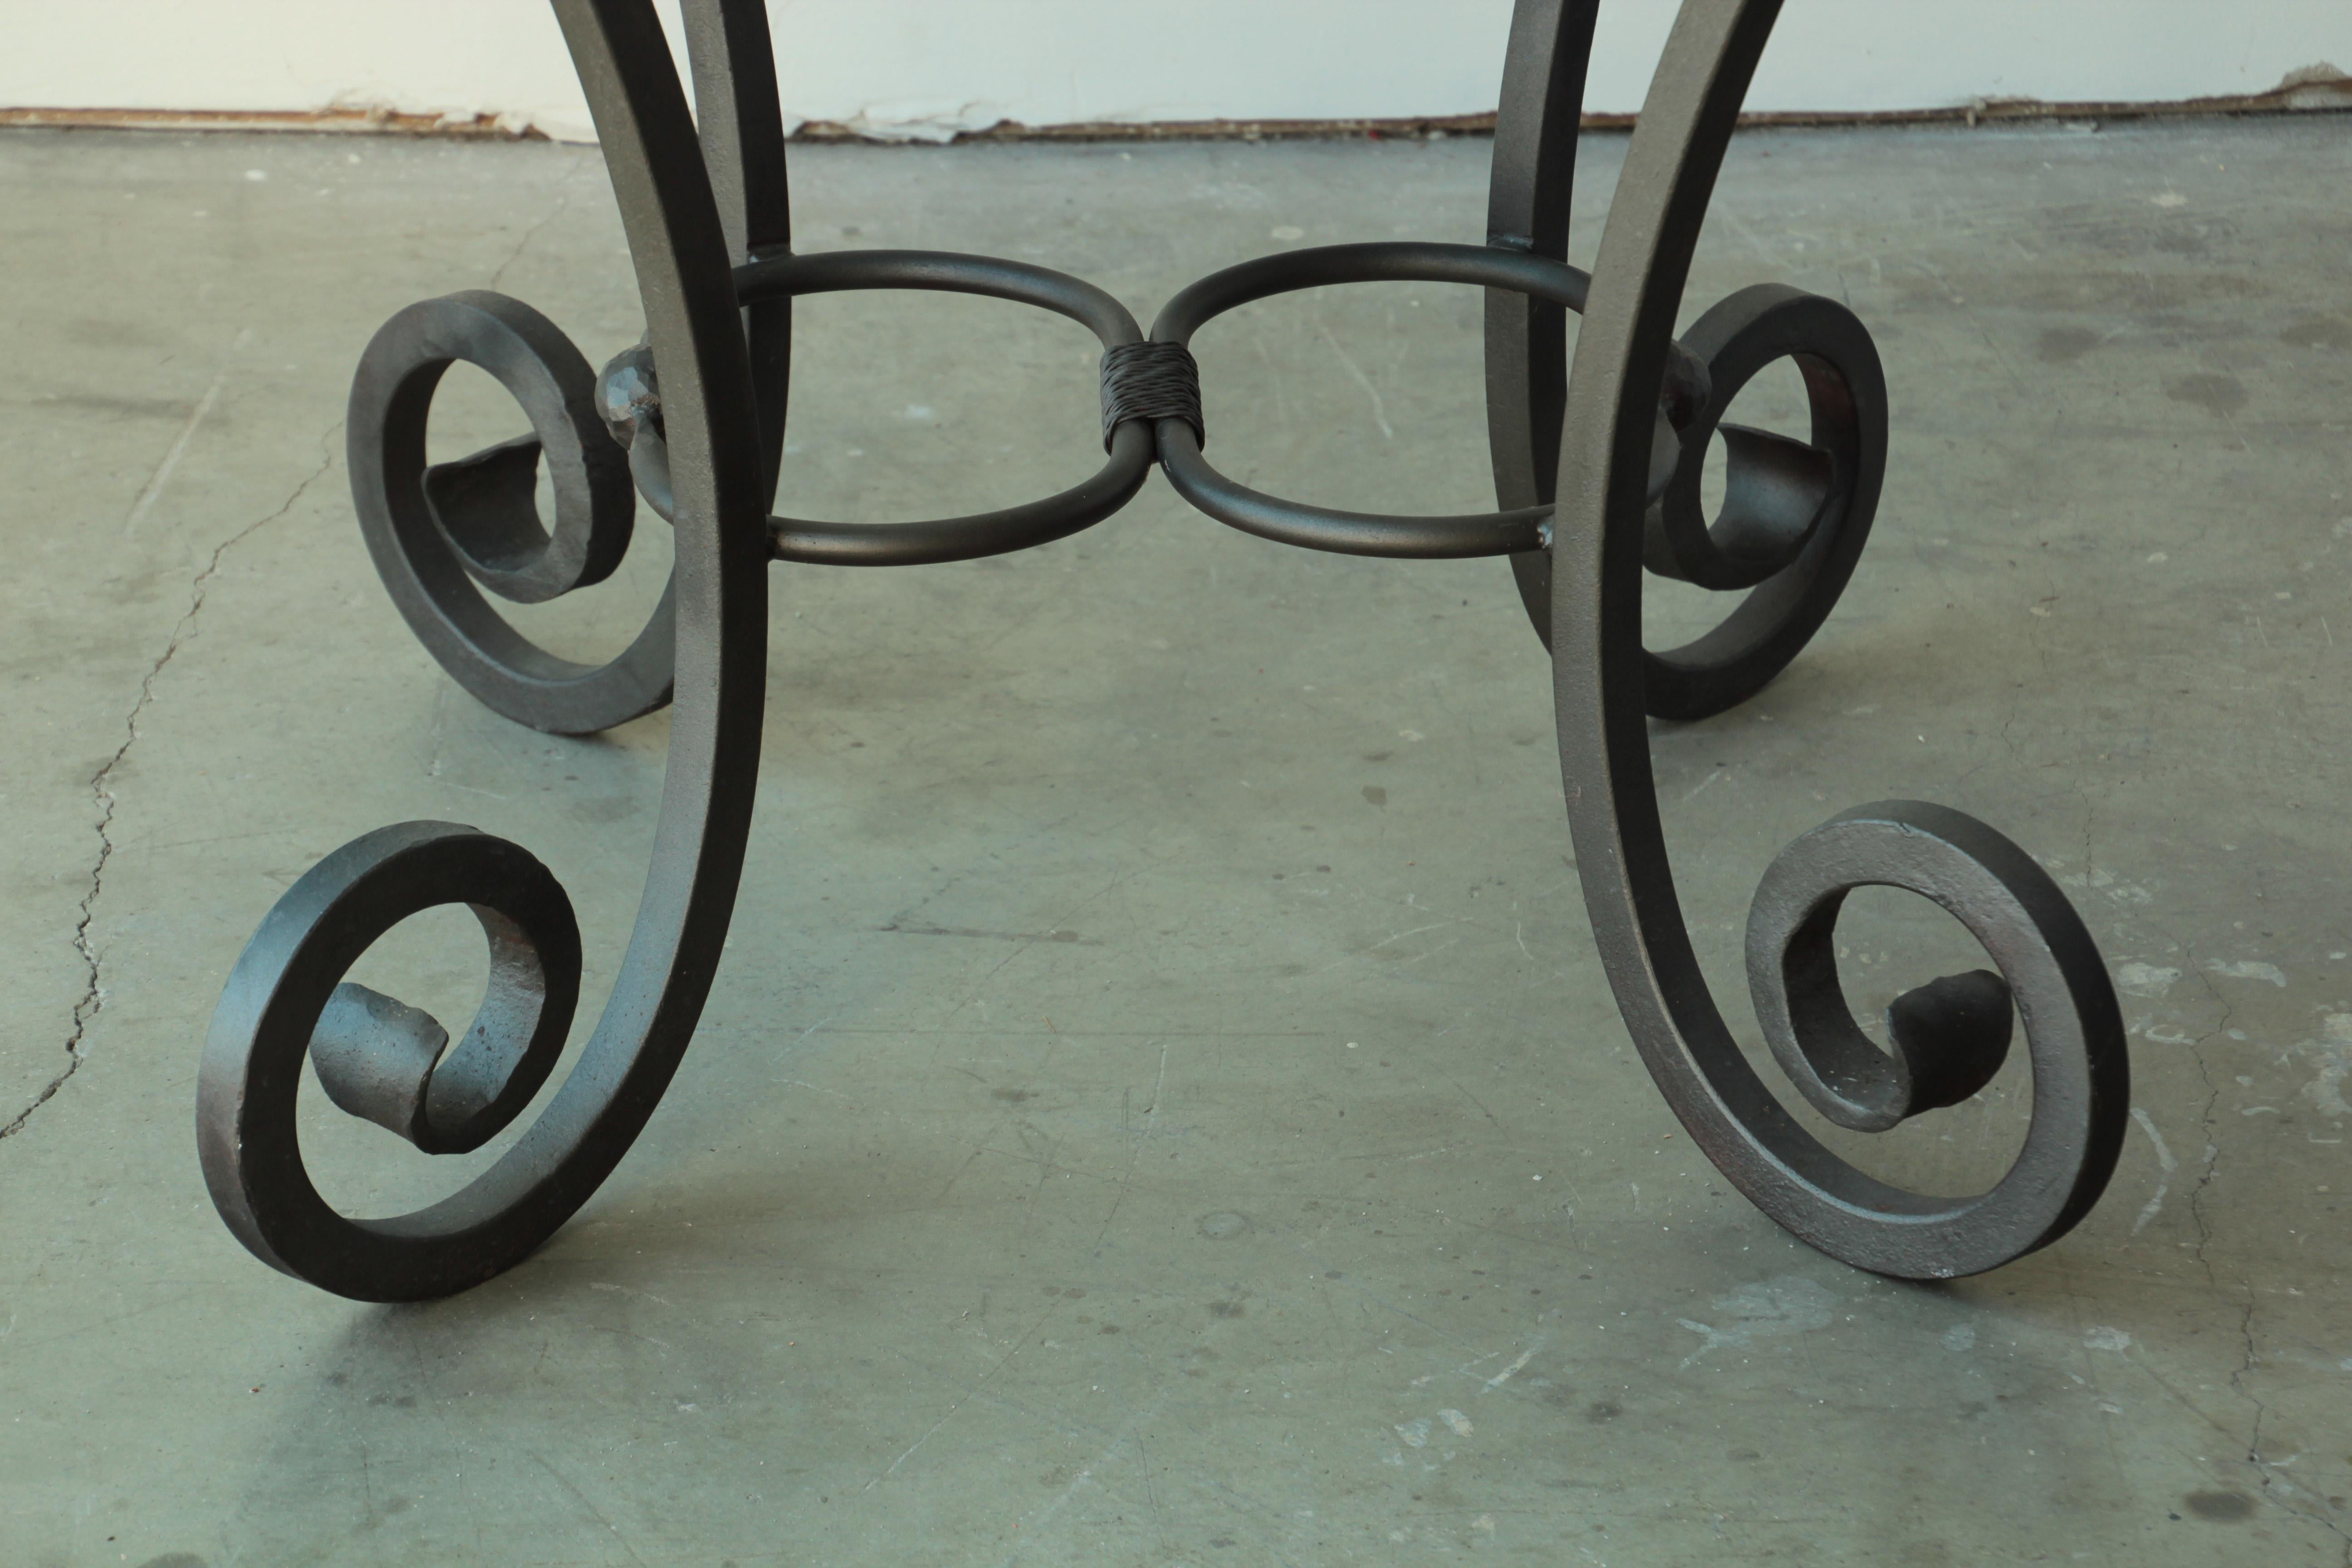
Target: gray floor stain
2217,395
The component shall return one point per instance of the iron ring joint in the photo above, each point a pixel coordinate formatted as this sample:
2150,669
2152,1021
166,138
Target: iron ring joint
981,535
1424,538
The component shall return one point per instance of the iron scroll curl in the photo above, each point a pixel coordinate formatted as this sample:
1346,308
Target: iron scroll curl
439,536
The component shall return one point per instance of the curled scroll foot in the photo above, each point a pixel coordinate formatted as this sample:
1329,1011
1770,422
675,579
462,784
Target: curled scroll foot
383,1060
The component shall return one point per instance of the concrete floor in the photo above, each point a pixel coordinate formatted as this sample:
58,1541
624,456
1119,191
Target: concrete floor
1161,1105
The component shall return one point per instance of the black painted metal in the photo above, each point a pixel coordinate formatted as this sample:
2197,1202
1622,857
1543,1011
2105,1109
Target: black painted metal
1529,187
991,533
1795,514
742,129
1597,471
381,1059
1518,531
432,575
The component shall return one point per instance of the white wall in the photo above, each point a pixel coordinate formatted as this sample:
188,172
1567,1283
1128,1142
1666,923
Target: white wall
933,66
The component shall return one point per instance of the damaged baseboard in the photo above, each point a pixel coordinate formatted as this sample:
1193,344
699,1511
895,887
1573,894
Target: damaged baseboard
370,121
2315,90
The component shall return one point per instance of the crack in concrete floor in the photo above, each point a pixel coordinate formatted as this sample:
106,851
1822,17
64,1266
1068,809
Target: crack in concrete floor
93,997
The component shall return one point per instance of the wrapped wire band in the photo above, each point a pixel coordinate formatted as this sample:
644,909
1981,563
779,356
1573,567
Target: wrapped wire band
1150,381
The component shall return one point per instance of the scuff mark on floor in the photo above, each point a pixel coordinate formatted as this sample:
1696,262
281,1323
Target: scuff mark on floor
1768,1308
2166,1165
2333,1052
153,490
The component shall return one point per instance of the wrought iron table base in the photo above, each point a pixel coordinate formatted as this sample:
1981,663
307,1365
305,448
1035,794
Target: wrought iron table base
1598,475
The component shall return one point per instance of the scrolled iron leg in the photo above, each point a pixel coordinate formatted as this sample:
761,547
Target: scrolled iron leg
387,1061
1951,1034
